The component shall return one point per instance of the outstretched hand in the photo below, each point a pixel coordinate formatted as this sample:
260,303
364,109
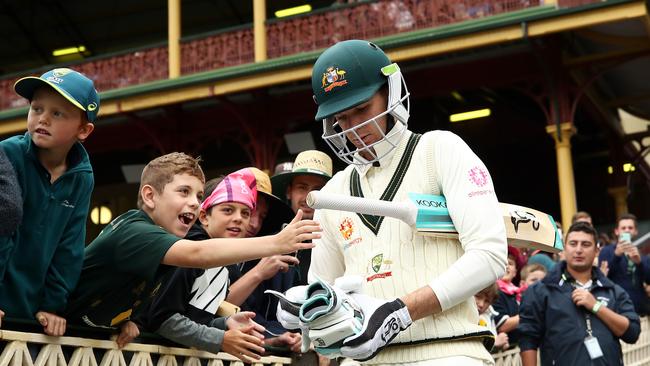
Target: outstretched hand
292,237
244,319
53,324
241,344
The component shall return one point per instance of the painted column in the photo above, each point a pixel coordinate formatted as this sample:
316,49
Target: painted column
174,37
259,29
566,181
619,194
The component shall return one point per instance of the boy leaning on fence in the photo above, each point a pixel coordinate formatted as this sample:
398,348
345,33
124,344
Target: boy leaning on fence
41,261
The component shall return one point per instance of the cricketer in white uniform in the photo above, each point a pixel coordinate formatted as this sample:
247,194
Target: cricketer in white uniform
426,284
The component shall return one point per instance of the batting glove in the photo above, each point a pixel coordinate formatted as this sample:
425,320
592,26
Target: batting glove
383,321
331,317
288,312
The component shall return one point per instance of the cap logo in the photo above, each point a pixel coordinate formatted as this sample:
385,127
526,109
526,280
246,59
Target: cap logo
61,72
333,77
92,106
54,79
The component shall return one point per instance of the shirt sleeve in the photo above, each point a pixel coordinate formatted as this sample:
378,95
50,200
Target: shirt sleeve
182,330
327,261
65,268
532,319
625,307
141,248
473,207
11,202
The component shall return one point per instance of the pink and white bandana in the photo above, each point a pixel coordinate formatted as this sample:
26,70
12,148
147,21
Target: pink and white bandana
240,187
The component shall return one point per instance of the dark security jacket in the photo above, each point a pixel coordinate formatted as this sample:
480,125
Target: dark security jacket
550,321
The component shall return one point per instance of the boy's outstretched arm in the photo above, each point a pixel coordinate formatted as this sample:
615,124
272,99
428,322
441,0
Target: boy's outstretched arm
222,252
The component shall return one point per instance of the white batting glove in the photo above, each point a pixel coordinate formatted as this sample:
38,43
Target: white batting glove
331,317
288,312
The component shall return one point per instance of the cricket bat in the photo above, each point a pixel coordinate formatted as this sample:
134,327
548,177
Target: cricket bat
428,214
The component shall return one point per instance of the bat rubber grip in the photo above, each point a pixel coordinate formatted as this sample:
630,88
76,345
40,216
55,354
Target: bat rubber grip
368,206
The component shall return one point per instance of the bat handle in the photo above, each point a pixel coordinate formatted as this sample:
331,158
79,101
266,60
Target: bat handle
404,211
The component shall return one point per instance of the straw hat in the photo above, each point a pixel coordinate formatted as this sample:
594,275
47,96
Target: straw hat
310,162
279,212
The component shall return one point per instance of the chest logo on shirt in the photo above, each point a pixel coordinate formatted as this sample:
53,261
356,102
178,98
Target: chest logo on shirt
603,299
380,267
67,204
346,228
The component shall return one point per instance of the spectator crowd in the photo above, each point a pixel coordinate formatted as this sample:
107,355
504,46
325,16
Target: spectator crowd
193,261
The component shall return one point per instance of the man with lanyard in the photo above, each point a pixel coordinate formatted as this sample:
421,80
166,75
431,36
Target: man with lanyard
420,289
576,315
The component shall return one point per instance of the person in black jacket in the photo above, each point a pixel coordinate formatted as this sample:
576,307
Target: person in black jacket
575,315
11,202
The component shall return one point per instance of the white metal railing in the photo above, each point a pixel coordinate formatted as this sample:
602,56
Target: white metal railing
21,346
633,354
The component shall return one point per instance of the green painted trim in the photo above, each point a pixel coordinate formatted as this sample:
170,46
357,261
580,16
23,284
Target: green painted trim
13,113
371,221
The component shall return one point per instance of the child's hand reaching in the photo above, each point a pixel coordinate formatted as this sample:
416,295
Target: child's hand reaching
241,344
291,238
244,319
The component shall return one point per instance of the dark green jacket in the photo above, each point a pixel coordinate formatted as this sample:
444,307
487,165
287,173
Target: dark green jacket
41,262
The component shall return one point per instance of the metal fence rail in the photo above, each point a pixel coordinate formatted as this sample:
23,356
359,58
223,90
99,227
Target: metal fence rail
32,349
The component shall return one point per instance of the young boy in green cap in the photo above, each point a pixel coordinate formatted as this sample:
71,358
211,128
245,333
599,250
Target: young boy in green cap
41,261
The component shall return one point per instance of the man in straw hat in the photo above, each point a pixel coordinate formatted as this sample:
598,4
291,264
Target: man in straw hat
418,289
310,171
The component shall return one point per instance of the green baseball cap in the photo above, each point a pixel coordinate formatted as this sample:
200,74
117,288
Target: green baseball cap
72,85
346,75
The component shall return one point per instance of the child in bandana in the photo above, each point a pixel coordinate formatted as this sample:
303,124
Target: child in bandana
507,305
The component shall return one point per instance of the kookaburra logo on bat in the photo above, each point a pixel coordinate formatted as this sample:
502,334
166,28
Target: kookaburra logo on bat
523,217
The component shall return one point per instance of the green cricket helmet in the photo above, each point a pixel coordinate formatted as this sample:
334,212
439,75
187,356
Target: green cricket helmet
346,75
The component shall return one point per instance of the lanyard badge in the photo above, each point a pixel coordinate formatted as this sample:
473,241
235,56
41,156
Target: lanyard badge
591,342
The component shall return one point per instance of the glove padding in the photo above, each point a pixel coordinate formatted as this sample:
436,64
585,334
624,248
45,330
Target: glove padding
383,321
288,312
331,317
